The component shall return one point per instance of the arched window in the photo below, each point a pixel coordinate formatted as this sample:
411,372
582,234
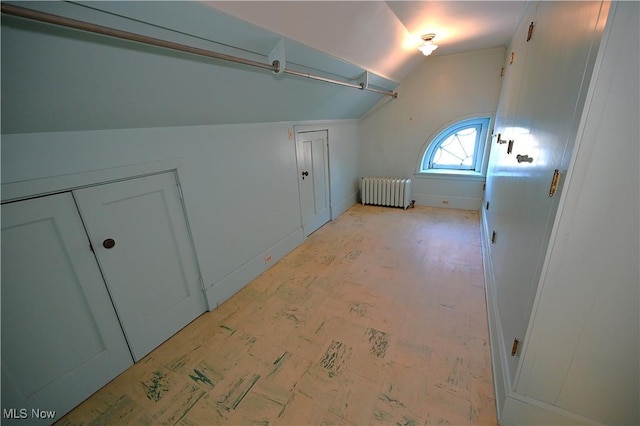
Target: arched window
458,147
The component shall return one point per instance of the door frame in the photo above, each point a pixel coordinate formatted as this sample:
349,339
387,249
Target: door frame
17,191
298,129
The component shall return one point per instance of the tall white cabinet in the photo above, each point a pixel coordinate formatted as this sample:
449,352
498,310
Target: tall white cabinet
562,269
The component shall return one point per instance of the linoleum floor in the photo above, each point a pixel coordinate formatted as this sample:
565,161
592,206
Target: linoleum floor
379,317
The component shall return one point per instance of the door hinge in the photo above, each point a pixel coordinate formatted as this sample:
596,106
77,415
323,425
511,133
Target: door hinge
502,72
530,33
180,192
91,247
484,186
554,182
514,348
493,237
202,283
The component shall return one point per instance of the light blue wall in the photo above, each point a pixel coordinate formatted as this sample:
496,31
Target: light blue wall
440,91
240,183
79,108
57,79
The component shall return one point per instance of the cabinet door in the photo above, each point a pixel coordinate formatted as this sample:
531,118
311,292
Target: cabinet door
139,233
559,58
61,340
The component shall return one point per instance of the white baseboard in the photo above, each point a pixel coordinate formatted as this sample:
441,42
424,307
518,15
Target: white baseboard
462,203
235,281
500,375
522,410
343,205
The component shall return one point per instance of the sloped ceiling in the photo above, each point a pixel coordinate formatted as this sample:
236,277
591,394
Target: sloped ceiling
383,36
57,79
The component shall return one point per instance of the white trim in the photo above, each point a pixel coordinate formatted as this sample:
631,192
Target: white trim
225,288
498,352
343,205
297,130
485,153
318,127
522,410
15,191
314,125
461,203
450,174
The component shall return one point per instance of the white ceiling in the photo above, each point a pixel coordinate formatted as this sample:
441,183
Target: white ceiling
382,36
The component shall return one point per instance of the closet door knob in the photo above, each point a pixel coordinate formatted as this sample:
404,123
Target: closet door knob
108,243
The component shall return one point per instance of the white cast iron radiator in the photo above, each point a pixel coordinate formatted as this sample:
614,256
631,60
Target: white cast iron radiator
386,191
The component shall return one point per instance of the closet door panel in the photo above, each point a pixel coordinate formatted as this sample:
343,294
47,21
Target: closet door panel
139,232
61,339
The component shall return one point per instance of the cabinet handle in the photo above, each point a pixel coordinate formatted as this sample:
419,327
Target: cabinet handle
109,243
524,159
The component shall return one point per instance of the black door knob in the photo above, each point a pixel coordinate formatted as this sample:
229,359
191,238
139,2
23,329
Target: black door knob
108,243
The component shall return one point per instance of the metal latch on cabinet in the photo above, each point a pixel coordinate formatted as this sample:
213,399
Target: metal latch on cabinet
530,32
554,182
524,159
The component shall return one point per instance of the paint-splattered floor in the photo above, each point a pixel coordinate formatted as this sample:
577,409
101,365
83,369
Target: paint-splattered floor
378,318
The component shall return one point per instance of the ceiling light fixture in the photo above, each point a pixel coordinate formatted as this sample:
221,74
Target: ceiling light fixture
427,47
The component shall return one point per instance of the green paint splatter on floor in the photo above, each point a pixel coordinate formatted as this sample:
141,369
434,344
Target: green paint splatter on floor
336,357
379,342
407,422
156,387
199,377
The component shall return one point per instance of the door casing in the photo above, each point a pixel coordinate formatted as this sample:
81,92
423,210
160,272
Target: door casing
314,183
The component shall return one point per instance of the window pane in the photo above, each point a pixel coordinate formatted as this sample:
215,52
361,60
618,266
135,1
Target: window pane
458,147
457,150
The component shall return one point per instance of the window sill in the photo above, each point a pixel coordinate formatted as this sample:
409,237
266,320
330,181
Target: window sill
450,174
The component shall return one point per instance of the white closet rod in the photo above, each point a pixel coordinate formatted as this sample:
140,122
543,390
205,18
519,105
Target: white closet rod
139,38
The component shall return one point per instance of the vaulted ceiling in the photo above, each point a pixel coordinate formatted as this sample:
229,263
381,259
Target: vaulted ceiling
58,79
382,36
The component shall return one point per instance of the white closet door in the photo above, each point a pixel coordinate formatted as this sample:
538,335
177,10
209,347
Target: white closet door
140,237
313,166
61,340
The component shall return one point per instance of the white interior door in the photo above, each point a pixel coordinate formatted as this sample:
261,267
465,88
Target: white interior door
139,234
313,176
61,340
